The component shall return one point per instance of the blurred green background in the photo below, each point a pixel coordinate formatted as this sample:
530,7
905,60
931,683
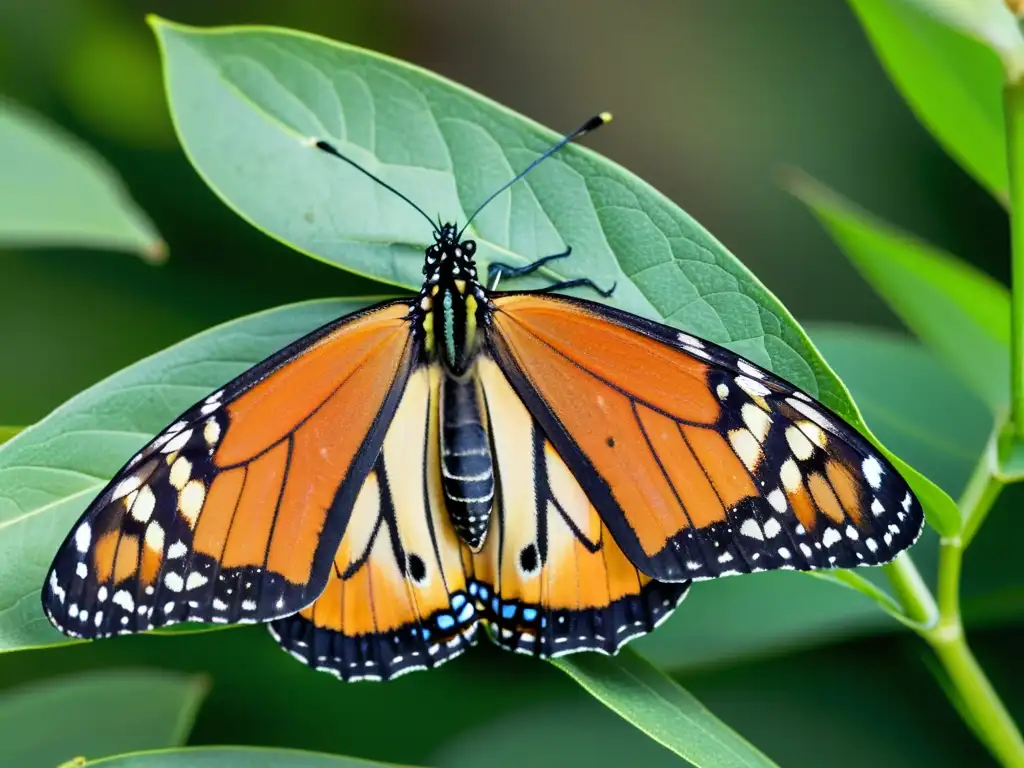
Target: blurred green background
711,99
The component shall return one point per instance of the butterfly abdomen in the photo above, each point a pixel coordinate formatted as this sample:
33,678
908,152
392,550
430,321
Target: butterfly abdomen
466,466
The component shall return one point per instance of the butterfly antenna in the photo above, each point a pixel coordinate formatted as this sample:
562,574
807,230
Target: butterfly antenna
330,150
592,124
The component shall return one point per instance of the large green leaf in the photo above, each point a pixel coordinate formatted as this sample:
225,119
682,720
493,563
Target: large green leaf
662,709
94,714
246,101
50,471
846,706
234,757
957,310
952,82
6,433
55,191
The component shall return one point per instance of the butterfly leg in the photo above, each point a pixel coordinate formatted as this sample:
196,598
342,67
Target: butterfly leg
496,270
585,282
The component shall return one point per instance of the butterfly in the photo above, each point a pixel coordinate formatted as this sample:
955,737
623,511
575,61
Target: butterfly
542,466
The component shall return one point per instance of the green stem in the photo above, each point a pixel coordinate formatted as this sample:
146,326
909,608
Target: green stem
986,712
916,601
1014,107
937,620
981,492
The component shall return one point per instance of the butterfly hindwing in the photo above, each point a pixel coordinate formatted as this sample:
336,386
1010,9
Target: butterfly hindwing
700,463
233,513
397,599
550,579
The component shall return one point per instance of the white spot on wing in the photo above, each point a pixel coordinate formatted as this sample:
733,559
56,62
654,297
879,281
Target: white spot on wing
830,537
173,581
190,500
772,528
155,536
757,421
177,442
144,504
689,340
752,529
125,487
778,500
195,580
722,391
790,475
748,369
176,550
802,448
83,537
872,472
181,471
746,447
751,387
124,599
811,413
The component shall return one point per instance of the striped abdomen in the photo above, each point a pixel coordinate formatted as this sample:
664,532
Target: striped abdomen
466,471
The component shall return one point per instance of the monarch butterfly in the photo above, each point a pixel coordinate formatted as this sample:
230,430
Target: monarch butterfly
547,467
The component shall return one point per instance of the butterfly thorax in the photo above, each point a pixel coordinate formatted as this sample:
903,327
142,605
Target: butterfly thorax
453,301
454,306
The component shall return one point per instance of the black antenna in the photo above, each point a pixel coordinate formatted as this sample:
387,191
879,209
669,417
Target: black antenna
592,124
323,145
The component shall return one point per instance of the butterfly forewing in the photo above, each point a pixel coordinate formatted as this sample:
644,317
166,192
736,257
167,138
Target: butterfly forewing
699,463
234,512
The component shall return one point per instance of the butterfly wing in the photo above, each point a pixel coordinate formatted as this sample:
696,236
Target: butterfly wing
396,599
699,463
550,579
234,512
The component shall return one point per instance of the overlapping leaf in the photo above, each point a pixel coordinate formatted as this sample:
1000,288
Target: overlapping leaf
95,714
55,191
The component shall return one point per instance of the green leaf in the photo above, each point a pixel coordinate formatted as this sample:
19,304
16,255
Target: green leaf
98,713
952,82
856,582
957,310
6,433
247,100
661,708
52,470
988,21
232,757
54,191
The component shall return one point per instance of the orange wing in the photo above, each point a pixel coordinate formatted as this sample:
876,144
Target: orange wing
234,512
550,580
699,463
396,600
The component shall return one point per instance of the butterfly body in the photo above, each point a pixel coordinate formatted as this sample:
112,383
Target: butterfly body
547,467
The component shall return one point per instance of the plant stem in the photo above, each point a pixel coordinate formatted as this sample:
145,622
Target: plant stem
988,715
1014,107
981,492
